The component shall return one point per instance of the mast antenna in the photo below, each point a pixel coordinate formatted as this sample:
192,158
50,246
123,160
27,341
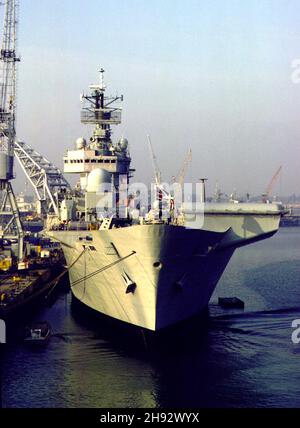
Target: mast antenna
102,85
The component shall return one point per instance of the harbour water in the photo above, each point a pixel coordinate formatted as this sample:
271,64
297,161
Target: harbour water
230,358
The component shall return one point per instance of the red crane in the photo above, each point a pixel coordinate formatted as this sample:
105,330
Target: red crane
271,185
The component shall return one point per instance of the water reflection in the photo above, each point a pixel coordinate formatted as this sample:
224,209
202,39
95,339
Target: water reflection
220,359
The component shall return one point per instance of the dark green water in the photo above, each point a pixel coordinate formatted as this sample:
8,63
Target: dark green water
236,358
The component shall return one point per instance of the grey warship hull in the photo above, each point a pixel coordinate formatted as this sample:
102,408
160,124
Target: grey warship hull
154,276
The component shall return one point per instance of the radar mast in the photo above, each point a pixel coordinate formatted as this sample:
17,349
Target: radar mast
101,111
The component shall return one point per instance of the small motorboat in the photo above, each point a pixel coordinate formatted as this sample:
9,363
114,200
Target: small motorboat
37,334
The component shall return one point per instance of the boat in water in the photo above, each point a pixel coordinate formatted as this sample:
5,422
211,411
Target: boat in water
149,266
37,334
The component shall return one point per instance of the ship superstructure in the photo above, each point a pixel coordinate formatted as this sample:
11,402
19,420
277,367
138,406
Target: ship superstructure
146,268
102,165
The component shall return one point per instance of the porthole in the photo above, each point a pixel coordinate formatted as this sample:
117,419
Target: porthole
157,265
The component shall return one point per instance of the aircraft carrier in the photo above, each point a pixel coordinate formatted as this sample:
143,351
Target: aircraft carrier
149,266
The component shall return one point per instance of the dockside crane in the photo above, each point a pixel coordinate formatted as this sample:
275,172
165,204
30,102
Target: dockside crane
157,173
46,179
266,196
182,173
10,221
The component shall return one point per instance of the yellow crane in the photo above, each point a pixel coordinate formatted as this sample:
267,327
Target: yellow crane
182,173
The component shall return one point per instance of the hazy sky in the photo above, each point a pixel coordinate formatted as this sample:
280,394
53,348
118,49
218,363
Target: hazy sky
213,75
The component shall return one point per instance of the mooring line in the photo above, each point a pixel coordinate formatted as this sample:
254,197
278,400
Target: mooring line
91,275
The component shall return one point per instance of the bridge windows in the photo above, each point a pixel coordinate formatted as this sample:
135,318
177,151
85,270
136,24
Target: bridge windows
81,161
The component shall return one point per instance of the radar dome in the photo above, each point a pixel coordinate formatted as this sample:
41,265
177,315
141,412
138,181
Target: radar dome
80,143
97,178
123,143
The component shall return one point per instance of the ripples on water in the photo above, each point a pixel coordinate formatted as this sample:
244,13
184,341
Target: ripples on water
236,358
